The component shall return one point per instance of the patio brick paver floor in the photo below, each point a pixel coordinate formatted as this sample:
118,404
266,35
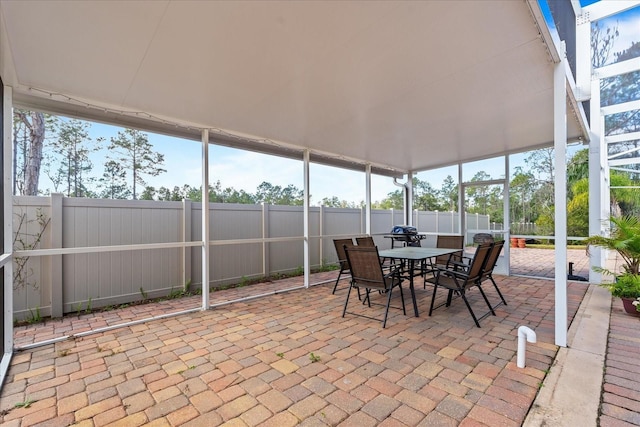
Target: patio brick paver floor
248,363
525,261
621,389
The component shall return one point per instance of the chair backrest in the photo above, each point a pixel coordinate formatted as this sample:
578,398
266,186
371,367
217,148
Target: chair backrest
365,241
492,258
342,257
450,242
366,270
478,262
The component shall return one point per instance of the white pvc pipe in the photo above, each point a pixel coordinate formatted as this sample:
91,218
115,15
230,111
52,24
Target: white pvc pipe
527,333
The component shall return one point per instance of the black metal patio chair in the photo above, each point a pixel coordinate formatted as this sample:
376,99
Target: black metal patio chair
460,280
339,244
444,261
367,273
490,263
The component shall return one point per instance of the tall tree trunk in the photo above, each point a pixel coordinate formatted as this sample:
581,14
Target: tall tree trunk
36,141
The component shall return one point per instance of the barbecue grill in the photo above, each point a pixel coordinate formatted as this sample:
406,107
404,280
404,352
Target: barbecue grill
406,234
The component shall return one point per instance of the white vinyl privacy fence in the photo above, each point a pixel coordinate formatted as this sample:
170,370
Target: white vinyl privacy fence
247,241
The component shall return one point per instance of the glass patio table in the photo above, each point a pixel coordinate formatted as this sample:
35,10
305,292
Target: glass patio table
411,254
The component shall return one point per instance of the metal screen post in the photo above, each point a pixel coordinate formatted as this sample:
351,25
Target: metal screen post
367,218
306,260
205,219
598,184
560,189
7,296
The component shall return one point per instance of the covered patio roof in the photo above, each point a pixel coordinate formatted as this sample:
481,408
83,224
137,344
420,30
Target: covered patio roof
402,86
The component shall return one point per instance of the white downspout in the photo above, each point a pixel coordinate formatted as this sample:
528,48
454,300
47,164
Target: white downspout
408,220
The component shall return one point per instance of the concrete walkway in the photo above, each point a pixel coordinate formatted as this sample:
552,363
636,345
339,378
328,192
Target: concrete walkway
570,395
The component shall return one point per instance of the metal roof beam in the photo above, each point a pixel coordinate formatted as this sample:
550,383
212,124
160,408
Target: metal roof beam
622,137
620,108
617,69
604,9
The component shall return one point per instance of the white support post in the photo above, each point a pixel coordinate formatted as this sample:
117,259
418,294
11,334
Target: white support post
598,183
506,226
462,220
7,155
205,219
560,147
306,260
367,219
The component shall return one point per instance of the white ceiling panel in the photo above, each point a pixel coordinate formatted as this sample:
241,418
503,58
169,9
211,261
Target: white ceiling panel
404,85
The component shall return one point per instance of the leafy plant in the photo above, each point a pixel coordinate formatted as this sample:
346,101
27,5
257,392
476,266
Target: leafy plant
34,317
26,240
624,238
625,286
143,293
24,404
175,293
314,358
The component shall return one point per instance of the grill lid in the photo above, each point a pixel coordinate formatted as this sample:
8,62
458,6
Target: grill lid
404,229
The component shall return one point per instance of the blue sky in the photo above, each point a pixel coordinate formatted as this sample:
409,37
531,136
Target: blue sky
246,170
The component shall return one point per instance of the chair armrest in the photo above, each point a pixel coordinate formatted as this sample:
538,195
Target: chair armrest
466,261
458,274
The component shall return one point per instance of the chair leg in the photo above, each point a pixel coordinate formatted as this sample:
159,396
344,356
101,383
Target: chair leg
497,290
344,310
366,297
449,297
386,310
464,298
486,300
404,310
433,297
337,280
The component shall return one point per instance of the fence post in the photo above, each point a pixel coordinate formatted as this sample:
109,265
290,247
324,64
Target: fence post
321,233
186,237
453,222
57,297
266,260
